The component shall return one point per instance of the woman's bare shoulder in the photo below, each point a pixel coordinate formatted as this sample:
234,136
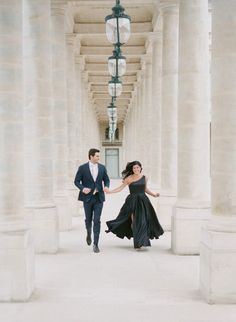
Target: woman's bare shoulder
128,180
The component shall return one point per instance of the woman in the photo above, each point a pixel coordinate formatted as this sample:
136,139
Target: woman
137,217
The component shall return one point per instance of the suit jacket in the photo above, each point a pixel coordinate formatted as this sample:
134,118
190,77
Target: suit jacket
84,179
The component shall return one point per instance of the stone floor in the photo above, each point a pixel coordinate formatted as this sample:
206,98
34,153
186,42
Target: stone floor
118,284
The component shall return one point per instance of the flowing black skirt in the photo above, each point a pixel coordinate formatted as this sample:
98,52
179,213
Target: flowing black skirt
145,225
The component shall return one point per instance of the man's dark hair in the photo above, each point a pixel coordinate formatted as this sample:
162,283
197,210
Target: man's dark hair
92,152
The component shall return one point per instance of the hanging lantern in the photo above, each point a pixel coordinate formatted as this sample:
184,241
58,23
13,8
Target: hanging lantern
117,63
115,87
118,25
112,110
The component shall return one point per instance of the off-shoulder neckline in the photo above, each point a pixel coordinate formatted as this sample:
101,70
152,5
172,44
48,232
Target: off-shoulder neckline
137,180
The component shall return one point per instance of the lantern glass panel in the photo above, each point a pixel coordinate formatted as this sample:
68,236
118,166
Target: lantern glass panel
112,111
117,64
115,89
124,30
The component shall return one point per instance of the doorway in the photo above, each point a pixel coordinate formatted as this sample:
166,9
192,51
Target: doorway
112,162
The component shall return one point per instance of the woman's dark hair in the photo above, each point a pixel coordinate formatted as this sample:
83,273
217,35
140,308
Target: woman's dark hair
129,169
92,152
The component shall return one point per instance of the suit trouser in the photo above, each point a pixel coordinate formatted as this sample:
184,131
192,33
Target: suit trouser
93,211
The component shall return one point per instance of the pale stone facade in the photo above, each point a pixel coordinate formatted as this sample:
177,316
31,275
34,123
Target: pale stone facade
53,103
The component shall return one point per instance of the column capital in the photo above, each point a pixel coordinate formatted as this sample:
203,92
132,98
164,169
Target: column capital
148,46
155,36
170,6
139,77
58,8
77,45
134,93
71,39
143,63
80,60
85,75
146,60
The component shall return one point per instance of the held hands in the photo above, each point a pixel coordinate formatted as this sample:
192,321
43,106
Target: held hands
106,189
86,190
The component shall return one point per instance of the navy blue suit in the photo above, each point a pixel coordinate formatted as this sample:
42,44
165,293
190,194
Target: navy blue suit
93,203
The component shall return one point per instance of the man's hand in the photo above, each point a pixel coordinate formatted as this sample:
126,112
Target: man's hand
106,189
86,190
157,195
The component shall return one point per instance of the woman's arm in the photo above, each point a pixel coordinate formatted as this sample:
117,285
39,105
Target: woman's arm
153,194
149,192
118,189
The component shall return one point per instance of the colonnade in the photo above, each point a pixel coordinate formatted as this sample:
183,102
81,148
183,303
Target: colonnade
193,144
180,124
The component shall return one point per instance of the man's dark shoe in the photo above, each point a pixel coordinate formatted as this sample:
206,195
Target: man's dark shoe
88,239
96,249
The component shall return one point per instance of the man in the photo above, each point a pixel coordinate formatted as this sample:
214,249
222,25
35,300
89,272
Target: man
89,179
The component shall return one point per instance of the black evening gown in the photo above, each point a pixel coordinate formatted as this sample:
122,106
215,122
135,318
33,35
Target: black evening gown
145,224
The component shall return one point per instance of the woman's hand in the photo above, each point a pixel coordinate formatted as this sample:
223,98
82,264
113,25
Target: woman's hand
156,195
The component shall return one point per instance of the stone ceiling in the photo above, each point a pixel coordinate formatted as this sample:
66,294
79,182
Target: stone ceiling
89,26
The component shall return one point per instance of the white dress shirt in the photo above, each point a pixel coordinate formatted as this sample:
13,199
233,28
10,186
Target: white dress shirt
94,170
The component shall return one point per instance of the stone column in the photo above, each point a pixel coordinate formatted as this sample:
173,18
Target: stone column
84,115
79,67
39,201
156,109
131,130
135,118
72,165
16,244
218,245
192,208
169,95
142,119
60,131
132,126
148,119
94,138
11,111
140,116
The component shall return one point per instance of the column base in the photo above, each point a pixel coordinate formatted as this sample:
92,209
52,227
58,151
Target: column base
43,222
218,266
165,209
16,262
186,229
64,212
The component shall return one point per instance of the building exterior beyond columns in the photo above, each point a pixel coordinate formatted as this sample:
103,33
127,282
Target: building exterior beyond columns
16,243
192,208
60,131
39,201
169,112
218,246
